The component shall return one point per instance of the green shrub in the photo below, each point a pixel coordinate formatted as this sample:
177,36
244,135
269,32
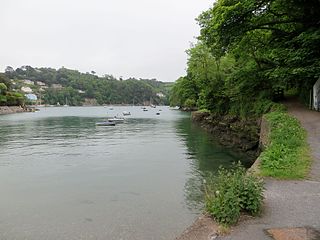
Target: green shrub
285,157
189,103
204,110
3,100
231,192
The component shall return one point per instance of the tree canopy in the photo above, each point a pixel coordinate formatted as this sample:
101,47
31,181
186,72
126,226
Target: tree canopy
249,49
66,86
7,96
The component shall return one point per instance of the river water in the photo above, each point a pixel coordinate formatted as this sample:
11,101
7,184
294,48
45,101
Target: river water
64,178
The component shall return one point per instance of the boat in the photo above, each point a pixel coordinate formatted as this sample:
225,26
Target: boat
125,113
116,119
105,123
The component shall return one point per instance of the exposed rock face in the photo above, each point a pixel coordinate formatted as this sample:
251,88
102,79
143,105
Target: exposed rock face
11,109
232,131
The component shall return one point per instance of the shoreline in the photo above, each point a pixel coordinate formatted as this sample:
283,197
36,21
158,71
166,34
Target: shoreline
12,109
205,227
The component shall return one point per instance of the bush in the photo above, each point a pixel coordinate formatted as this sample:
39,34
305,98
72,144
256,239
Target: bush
3,100
189,103
231,192
285,157
15,99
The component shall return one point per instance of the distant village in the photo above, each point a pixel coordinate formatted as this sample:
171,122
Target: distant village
33,90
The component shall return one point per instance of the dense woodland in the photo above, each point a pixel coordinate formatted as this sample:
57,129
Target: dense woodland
248,52
77,88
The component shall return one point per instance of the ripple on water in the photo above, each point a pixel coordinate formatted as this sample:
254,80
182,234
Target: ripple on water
137,180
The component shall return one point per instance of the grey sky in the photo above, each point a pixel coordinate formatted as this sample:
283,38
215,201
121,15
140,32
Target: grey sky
129,38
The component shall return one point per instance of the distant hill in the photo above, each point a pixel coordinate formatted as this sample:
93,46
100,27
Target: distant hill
66,86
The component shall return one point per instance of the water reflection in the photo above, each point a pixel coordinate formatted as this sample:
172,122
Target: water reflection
205,156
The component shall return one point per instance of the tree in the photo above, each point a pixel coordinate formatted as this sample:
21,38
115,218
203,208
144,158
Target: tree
3,88
280,36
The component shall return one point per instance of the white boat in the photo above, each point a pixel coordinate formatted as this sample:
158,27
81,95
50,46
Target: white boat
105,123
125,113
116,119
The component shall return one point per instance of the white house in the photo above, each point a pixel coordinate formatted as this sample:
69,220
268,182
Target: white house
26,90
27,81
316,95
40,83
31,97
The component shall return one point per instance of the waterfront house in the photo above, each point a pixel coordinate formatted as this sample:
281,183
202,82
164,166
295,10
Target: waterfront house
27,81
26,89
40,83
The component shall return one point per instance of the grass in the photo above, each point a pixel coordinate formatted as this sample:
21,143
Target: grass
287,155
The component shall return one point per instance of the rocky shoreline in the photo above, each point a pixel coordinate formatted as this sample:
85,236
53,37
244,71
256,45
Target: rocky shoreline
249,136
12,109
240,134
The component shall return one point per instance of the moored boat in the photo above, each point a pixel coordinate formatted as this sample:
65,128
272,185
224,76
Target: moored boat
106,123
116,119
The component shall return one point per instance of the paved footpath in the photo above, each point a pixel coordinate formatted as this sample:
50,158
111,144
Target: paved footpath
290,205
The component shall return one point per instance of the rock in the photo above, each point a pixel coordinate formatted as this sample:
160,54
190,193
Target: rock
232,131
11,109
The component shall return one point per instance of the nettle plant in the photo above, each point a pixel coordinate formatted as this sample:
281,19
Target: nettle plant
231,192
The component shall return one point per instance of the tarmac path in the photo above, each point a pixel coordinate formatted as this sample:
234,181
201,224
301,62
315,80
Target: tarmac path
291,208
290,204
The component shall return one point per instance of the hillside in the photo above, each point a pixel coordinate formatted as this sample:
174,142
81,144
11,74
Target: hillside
66,86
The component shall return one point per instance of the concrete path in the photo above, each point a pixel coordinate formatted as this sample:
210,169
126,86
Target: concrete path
290,204
310,120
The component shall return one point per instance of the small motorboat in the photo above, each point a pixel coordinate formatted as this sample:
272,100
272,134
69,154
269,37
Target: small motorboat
116,119
105,123
125,113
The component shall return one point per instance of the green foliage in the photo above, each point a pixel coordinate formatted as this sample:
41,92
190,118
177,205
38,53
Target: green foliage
77,86
9,98
248,49
190,103
183,89
3,100
285,157
231,192
3,88
204,110
14,99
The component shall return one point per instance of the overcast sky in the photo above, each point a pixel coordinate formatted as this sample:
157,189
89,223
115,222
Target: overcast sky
129,38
